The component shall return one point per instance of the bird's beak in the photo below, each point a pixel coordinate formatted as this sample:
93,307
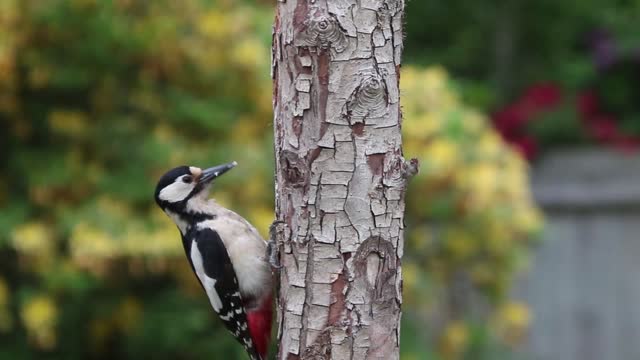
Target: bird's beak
213,172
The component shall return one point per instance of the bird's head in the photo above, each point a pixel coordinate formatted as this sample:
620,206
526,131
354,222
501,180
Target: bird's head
183,184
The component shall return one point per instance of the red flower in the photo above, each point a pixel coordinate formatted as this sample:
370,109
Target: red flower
510,119
603,128
543,96
587,104
537,98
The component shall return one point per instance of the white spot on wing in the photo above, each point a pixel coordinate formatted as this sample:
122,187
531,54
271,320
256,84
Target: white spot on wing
228,316
207,282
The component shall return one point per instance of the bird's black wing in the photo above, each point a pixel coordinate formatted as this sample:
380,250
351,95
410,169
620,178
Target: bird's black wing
221,286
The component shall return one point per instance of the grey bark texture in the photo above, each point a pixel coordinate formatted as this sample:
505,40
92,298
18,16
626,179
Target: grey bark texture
340,177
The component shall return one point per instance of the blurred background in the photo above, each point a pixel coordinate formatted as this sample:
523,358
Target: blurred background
525,116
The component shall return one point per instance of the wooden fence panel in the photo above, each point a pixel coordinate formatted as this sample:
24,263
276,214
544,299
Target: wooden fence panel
584,284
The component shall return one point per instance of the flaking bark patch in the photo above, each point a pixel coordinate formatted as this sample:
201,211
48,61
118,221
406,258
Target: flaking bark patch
358,129
376,163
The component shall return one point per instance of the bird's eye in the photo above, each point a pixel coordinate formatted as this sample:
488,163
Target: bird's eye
187,179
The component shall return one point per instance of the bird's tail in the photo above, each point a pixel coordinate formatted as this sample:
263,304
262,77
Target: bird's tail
260,326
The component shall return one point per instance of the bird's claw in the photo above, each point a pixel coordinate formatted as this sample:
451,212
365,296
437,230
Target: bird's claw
272,255
272,245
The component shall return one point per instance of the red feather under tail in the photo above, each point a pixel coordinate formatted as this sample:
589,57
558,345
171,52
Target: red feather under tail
260,326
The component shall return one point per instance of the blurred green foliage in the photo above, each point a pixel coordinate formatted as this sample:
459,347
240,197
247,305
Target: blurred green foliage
99,98
500,47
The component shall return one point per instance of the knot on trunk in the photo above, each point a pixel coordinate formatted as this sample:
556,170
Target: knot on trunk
369,100
375,264
294,169
322,31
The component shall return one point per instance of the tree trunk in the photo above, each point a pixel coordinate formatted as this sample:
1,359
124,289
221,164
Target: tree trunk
340,177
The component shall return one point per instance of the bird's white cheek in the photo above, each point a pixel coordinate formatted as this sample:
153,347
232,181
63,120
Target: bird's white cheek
176,192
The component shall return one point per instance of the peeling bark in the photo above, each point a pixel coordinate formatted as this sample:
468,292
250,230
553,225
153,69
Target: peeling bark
340,177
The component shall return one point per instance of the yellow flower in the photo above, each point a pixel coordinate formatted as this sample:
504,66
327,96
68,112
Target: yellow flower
516,314
33,238
454,340
474,122
528,219
161,242
215,24
481,180
435,77
440,155
426,91
68,122
500,237
249,53
490,145
422,126
512,322
88,242
40,317
409,77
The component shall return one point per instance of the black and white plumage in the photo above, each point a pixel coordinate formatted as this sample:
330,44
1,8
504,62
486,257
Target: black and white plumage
212,266
226,253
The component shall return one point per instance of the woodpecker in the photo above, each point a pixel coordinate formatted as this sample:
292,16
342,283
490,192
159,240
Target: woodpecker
226,253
